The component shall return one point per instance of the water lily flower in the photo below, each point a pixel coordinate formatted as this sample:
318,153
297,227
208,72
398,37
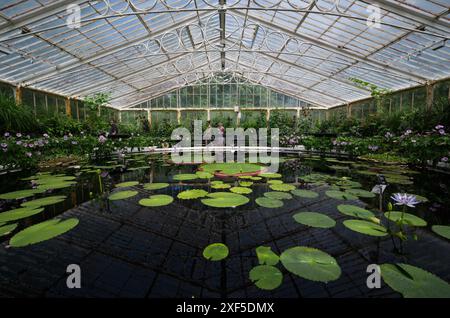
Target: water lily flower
405,199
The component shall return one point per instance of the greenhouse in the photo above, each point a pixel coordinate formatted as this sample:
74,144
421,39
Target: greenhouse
224,149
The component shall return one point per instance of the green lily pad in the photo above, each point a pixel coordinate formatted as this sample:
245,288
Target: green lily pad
21,194
282,187
216,252
310,263
121,195
409,219
266,277
414,282
225,200
357,212
192,194
231,168
220,185
204,175
360,193
241,190
348,184
269,203
274,181
308,194
7,229
18,214
365,227
127,184
399,181
278,195
245,183
56,185
266,256
44,201
270,175
185,177
155,186
156,200
314,219
42,232
442,230
340,195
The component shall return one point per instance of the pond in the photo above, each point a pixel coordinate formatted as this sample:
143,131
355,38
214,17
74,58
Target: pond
142,226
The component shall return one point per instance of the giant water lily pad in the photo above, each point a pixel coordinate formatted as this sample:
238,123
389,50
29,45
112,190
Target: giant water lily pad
121,195
192,194
241,190
365,227
7,229
360,193
185,177
266,277
274,181
245,183
204,175
155,186
21,194
442,230
231,168
44,201
216,252
357,212
220,185
269,203
308,194
225,200
414,282
278,195
266,256
310,263
409,219
42,232
56,185
348,184
340,195
401,181
271,175
127,184
156,200
282,187
18,214
314,219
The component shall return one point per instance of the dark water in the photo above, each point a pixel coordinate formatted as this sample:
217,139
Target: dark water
126,250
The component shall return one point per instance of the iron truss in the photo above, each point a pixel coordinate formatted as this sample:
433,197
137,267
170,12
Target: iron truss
308,49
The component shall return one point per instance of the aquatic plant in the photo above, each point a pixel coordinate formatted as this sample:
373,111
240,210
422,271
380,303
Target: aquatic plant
269,202
121,195
216,252
156,200
225,200
192,194
314,219
266,277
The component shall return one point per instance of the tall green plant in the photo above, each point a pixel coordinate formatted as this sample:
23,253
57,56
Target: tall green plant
15,118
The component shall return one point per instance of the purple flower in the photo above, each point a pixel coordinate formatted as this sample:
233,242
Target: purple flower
18,142
444,159
405,199
65,137
6,134
31,145
3,145
439,127
389,135
18,135
373,148
29,154
102,139
45,135
441,131
74,143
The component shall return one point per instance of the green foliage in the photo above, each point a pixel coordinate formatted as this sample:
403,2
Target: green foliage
15,118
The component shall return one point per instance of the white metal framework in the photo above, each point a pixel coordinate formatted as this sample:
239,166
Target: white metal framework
140,49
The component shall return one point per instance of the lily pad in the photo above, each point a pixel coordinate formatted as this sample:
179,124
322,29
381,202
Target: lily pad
442,230
308,194
155,186
399,181
310,263
216,252
204,175
241,190
192,194
347,184
365,227
360,193
266,277
222,185
42,232
414,282
409,219
225,200
269,203
156,200
7,229
340,195
314,219
44,201
231,168
278,195
185,177
282,187
56,185
127,184
15,195
245,183
274,181
270,175
18,214
121,195
266,256
357,212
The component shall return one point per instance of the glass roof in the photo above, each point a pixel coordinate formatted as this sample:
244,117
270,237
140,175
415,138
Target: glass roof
138,49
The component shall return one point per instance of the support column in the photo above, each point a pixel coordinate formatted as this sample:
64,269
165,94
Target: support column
120,116
18,95
179,116
208,114
149,117
68,109
268,116
349,110
298,114
430,95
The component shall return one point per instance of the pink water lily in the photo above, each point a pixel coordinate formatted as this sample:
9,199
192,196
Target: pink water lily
405,199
